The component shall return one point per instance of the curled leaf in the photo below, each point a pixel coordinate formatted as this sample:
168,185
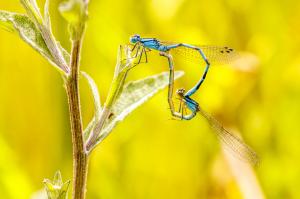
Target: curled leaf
33,10
47,15
97,104
56,189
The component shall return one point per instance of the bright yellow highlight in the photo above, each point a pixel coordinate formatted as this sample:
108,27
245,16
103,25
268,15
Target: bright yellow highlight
149,155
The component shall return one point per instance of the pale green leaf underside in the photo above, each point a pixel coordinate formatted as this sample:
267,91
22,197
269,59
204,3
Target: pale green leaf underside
27,30
47,14
135,94
97,104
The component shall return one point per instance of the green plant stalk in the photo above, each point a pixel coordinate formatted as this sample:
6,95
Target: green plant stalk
114,92
80,157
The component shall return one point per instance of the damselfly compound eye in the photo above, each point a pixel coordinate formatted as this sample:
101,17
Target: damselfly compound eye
135,38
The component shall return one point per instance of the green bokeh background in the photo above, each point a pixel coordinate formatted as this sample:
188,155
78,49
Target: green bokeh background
150,156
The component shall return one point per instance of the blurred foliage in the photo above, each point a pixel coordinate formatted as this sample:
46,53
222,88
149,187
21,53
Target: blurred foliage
149,155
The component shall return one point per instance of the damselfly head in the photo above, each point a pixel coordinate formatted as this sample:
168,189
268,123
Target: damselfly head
180,92
135,38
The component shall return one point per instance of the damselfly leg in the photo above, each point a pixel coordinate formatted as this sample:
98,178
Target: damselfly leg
177,114
137,51
143,51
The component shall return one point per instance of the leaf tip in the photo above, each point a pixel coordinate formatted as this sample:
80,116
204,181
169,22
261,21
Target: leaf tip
178,74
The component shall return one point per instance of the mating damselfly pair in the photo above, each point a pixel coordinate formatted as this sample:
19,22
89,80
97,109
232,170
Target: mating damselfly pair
210,55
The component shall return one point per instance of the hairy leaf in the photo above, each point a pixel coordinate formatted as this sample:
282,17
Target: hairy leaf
135,94
28,31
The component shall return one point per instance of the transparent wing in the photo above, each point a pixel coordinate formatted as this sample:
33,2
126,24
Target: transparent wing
216,55
231,142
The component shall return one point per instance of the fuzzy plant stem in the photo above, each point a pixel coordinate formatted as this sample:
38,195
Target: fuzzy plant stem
80,157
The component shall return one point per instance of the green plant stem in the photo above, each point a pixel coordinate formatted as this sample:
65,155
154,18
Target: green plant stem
115,90
80,157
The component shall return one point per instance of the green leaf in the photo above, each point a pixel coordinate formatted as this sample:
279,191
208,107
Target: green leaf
97,104
135,94
5,23
44,26
56,189
28,31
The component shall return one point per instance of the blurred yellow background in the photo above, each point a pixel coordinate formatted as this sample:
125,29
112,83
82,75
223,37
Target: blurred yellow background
150,156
